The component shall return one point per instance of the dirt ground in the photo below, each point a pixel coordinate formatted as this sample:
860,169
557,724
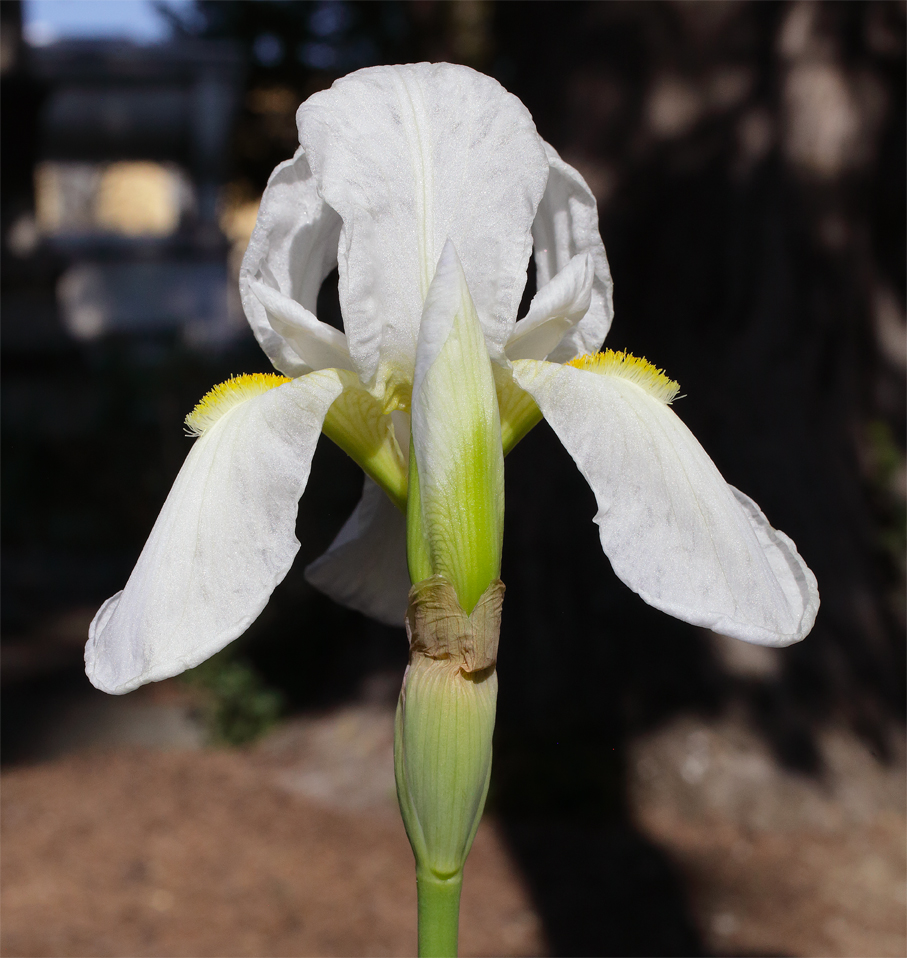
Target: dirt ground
778,863
294,847
136,853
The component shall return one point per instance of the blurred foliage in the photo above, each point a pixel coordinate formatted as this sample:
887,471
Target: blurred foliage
887,472
238,707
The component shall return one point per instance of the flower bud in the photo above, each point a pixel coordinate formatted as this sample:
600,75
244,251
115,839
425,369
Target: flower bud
445,721
455,507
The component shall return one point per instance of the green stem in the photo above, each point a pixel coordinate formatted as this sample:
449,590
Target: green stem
439,914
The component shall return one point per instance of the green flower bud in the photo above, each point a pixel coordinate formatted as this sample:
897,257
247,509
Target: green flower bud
445,721
455,506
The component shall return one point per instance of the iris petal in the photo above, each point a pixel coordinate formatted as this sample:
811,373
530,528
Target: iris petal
224,539
565,226
410,156
674,530
365,566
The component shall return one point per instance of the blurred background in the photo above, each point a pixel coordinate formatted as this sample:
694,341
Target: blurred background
657,789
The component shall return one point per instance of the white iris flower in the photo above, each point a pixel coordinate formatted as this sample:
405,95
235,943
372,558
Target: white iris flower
429,187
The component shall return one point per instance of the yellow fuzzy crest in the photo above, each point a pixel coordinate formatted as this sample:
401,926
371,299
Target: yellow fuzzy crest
632,368
224,397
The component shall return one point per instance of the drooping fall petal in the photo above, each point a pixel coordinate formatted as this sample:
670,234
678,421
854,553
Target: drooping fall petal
224,539
674,530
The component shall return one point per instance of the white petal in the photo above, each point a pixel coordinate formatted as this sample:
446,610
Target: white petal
555,309
365,567
674,530
293,247
566,225
317,345
409,156
223,541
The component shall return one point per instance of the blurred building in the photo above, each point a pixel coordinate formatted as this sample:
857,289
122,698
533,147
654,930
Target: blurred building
130,147
114,268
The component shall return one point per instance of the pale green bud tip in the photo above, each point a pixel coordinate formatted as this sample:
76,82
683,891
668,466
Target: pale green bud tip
445,721
458,518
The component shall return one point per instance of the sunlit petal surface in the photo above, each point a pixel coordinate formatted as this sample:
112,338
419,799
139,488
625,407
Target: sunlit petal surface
409,157
293,247
566,225
222,542
674,530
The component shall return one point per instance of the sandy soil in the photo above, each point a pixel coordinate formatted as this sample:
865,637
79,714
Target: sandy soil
778,863
182,853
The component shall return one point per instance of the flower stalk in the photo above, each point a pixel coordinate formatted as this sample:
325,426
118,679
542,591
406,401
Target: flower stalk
438,913
442,747
454,519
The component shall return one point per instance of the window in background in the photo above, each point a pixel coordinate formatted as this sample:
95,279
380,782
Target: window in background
128,198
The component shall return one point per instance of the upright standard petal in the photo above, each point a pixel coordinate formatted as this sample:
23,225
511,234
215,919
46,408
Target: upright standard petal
293,247
567,225
223,541
410,156
365,567
674,530
456,499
